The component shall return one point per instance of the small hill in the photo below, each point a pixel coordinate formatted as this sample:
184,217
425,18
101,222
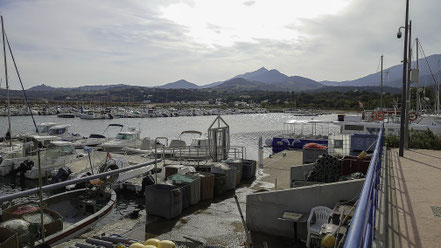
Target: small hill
42,87
180,84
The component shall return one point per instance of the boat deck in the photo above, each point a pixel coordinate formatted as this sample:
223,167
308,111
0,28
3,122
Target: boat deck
409,204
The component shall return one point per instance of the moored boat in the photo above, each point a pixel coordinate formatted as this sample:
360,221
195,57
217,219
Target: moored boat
68,215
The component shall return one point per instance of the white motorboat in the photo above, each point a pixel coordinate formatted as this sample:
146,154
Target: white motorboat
57,155
91,115
126,139
95,139
371,122
62,131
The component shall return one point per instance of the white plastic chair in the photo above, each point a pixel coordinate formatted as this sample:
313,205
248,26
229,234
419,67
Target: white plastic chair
321,217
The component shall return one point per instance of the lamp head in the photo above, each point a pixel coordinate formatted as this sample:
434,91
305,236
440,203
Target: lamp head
399,34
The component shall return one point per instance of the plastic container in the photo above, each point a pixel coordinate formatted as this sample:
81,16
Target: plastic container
194,182
230,174
249,169
310,155
238,165
163,200
207,185
177,168
204,168
220,181
361,142
8,238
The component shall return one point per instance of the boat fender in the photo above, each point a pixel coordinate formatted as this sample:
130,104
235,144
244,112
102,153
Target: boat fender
413,116
137,245
166,244
153,242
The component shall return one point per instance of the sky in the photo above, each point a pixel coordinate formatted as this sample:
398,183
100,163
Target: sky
65,43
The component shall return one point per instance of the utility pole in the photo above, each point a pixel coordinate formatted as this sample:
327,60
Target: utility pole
408,92
403,91
381,87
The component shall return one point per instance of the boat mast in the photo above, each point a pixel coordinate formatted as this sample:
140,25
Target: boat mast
437,90
381,87
7,83
417,107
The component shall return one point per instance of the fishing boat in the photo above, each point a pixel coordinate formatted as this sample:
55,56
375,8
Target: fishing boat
66,215
95,139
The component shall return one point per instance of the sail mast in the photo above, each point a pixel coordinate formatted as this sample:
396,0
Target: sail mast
381,87
7,83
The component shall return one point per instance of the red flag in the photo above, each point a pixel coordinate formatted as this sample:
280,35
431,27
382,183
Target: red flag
361,104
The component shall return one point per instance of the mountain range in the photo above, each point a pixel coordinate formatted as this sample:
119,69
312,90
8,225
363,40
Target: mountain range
273,80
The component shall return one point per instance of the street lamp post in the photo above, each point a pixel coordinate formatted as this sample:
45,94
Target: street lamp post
403,91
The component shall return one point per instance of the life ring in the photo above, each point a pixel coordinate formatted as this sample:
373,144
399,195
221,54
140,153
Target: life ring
413,116
379,116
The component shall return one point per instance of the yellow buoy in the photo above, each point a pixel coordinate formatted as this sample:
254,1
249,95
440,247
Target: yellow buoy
137,245
328,241
154,242
166,244
150,246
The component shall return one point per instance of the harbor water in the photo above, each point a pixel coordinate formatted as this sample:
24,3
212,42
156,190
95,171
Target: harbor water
244,131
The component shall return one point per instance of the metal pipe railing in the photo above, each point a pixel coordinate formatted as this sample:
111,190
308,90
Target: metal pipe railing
73,181
362,229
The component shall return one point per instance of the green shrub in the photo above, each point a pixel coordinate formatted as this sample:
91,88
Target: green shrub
417,139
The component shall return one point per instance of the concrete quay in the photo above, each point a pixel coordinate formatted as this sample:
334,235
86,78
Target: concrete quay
409,213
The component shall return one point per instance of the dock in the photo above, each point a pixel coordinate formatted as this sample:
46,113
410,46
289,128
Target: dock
215,222
410,207
275,173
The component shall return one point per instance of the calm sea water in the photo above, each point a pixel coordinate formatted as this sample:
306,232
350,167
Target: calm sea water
245,130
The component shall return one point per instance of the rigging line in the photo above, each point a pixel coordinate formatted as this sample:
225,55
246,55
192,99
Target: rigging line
427,62
378,66
21,83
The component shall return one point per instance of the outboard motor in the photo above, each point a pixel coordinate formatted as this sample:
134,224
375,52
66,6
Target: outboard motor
146,181
22,168
62,175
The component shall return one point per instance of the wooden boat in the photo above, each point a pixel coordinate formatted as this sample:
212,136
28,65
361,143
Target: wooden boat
73,212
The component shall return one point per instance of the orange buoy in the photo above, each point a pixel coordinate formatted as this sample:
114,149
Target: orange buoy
379,116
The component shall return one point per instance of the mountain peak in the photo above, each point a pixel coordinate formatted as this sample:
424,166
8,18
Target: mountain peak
180,84
262,69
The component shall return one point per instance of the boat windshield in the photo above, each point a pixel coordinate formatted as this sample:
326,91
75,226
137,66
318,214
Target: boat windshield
57,131
59,151
43,128
124,136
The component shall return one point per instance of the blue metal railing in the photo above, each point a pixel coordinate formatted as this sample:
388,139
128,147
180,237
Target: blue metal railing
362,229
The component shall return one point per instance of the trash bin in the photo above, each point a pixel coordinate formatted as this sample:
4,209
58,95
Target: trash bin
163,200
193,181
230,174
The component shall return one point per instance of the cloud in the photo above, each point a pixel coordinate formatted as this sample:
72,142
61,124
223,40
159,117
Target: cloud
66,43
249,3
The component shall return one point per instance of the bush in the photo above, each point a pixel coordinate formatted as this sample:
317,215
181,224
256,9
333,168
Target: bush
417,139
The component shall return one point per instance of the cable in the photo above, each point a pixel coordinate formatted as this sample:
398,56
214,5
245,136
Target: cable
21,83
